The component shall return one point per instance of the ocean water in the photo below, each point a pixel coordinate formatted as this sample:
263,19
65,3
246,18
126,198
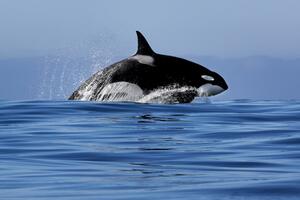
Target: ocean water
204,150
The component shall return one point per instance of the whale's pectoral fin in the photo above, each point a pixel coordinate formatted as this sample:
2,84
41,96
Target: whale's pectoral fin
143,46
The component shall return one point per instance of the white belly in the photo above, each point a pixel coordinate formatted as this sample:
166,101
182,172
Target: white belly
121,91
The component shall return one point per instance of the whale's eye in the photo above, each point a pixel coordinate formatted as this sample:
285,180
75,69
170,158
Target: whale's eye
208,78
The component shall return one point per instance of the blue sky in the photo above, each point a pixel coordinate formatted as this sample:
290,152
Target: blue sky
48,46
231,28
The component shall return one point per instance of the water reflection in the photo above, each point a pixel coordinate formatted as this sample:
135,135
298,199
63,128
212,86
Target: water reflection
150,118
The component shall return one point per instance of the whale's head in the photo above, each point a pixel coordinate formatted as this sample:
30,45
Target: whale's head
211,84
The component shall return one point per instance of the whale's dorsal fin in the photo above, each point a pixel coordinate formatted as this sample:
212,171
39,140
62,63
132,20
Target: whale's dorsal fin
143,46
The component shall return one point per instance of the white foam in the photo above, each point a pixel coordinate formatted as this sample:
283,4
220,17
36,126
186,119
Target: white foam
165,95
87,92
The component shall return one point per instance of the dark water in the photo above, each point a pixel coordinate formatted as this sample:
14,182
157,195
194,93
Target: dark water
84,150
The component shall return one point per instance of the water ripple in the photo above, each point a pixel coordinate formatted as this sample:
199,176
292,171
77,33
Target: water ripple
239,149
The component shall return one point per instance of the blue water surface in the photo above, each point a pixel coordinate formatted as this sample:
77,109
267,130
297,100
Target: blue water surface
87,150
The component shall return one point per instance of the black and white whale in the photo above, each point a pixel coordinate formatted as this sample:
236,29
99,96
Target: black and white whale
135,78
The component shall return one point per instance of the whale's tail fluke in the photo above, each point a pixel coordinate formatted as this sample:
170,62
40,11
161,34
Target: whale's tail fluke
143,46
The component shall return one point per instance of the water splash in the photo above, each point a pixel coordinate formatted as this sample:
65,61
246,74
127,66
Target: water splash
87,90
171,94
70,67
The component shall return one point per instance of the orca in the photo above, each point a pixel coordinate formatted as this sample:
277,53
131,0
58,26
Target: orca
135,77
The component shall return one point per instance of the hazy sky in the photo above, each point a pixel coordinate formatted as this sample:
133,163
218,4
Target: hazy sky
231,28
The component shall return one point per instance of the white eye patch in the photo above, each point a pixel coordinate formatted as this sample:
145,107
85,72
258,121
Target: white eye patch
208,78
